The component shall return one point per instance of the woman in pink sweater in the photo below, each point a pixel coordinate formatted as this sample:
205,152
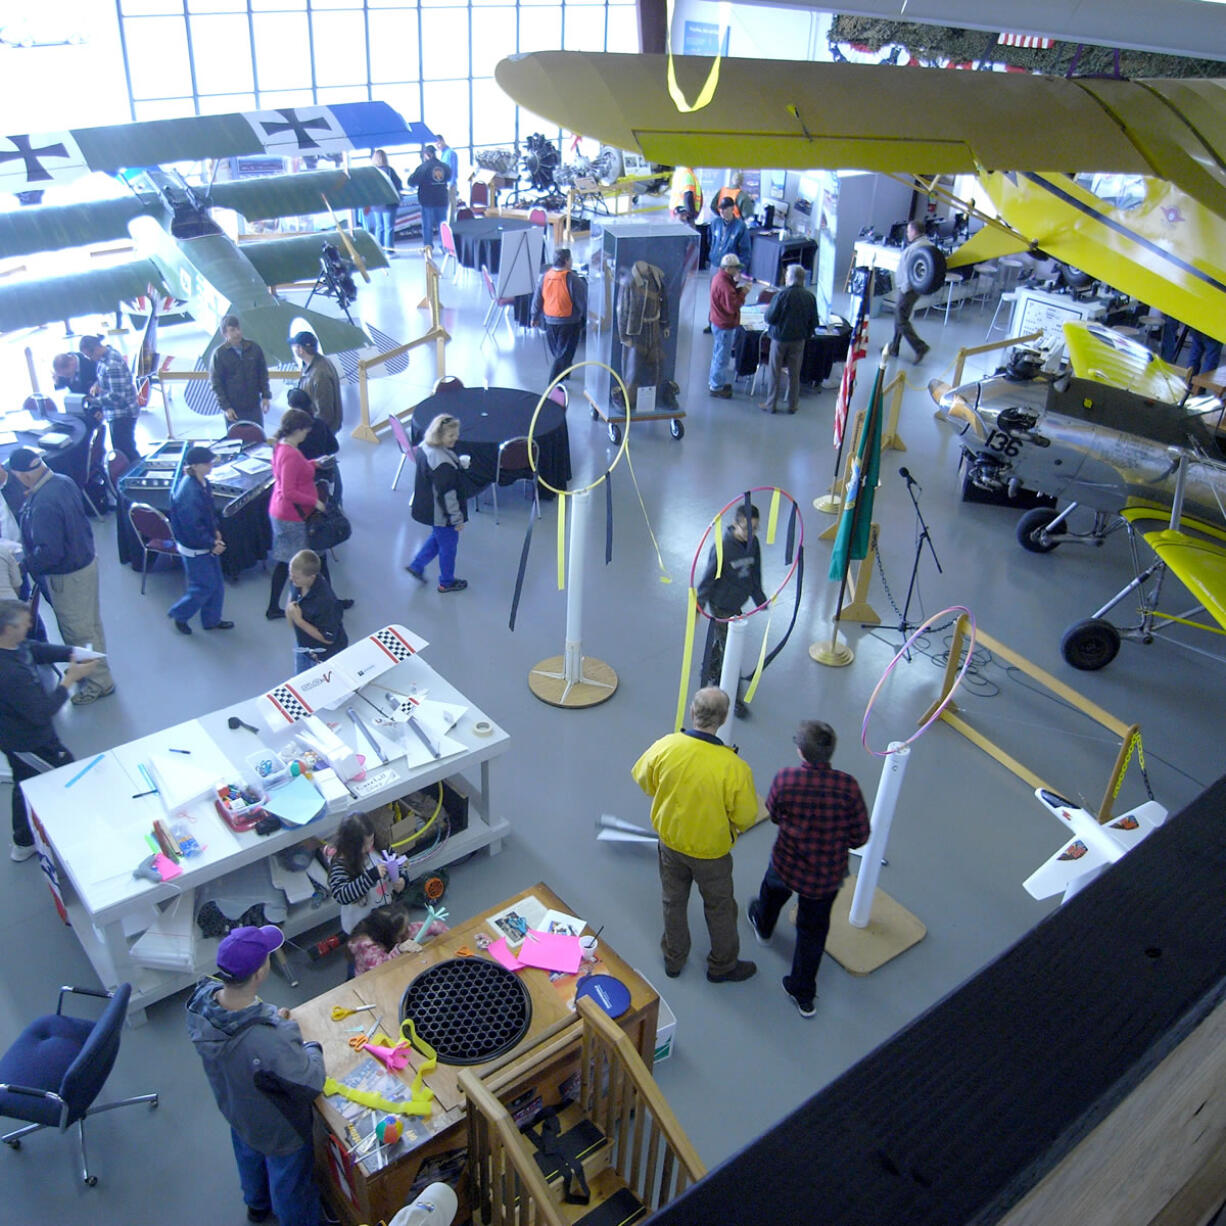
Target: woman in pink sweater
294,497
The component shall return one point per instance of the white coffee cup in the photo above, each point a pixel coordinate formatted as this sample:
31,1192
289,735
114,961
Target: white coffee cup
587,948
465,461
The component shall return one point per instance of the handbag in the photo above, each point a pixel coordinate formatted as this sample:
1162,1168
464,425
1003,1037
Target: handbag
327,528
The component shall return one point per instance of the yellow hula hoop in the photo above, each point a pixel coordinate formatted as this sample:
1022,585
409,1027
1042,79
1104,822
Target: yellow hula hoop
412,838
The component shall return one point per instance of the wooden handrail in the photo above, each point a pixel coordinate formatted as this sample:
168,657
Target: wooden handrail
511,1143
644,1085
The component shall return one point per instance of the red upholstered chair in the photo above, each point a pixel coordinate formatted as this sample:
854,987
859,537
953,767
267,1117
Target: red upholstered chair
248,431
559,396
513,465
153,530
449,383
117,463
478,198
407,451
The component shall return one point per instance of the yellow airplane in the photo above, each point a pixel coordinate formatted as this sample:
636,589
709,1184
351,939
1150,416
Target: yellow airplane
1033,141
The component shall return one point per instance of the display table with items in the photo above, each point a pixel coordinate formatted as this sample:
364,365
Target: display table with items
242,487
473,1010
772,252
63,438
823,349
488,417
221,812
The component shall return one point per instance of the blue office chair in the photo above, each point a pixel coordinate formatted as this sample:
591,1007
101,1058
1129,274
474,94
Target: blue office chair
58,1066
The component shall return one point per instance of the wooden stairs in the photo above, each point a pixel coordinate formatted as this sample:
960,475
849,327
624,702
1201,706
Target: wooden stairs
621,1133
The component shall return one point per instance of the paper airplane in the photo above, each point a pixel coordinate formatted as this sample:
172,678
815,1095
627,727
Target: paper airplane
1094,848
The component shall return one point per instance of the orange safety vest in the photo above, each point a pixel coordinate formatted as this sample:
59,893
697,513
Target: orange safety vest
555,295
684,180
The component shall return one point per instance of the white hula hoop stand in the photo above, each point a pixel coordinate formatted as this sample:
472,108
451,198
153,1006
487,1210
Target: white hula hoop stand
868,928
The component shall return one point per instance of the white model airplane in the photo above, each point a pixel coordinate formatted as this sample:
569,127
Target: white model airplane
1094,848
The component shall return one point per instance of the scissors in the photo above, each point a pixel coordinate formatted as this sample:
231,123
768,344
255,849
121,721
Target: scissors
358,1041
339,1012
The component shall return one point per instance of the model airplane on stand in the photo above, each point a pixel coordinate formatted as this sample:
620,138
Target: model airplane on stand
181,251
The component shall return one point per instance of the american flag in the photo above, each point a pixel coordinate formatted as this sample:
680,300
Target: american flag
857,348
1026,40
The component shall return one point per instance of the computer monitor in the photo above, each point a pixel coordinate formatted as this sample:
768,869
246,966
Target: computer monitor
897,236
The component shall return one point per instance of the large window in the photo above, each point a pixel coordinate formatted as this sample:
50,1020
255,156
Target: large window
433,60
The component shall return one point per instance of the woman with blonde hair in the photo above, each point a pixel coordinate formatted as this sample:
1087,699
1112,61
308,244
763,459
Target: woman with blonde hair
440,501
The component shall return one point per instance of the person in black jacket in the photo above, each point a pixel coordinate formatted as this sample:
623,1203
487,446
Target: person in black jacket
723,595
59,554
27,707
431,179
440,500
193,519
791,318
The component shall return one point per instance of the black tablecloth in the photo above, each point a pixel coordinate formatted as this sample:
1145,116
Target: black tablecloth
72,460
491,416
821,352
248,535
479,240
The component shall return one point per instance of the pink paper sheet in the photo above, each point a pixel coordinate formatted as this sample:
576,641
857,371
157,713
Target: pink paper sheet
551,951
500,952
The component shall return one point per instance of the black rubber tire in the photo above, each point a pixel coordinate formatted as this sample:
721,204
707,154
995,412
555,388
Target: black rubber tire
1090,645
92,1181
1032,523
1074,278
615,433
14,1144
595,414
676,428
924,268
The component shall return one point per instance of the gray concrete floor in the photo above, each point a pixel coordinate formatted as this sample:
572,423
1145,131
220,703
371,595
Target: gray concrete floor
966,832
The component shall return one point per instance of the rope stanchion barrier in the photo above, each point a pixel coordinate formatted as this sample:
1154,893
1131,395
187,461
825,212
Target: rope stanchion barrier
935,714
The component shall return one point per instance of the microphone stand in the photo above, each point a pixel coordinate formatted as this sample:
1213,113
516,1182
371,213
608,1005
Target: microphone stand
924,538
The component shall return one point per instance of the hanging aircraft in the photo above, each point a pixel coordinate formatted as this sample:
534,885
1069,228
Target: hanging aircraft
1094,848
1029,139
181,251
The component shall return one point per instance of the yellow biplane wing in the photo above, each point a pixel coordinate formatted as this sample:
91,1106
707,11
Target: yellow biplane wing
1105,356
1197,561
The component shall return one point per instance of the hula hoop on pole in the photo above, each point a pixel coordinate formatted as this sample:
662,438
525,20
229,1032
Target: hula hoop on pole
936,714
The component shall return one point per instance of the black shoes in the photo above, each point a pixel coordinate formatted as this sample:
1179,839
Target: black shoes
751,914
416,574
806,1008
721,393
738,974
919,357
274,614
183,627
221,626
456,585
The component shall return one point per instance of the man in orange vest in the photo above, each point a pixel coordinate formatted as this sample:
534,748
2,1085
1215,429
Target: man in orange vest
560,302
685,195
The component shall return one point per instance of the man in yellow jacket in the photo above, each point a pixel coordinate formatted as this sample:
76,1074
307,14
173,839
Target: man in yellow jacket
702,798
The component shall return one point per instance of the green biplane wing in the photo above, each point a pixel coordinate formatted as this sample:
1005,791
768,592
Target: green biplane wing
54,227
282,260
308,192
29,303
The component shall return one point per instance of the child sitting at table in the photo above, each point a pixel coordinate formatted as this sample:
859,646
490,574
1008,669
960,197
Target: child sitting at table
356,879
378,938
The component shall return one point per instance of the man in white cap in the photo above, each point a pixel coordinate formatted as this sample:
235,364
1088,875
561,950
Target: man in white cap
727,298
193,519
59,554
263,1076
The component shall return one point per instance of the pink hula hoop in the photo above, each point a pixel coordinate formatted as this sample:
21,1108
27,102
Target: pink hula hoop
736,502
902,651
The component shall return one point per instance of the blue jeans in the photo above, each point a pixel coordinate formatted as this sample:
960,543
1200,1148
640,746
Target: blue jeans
430,218
441,543
205,590
285,1184
305,658
721,355
812,928
383,217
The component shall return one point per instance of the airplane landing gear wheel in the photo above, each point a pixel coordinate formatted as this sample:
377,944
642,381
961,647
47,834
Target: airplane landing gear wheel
677,428
1033,524
1091,644
615,433
595,413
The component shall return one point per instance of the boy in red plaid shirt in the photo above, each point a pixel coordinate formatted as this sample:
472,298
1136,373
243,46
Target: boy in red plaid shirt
821,816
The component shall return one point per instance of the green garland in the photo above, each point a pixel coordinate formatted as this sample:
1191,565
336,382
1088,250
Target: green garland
926,43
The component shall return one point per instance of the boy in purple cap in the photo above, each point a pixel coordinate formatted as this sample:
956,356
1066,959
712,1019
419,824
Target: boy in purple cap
264,1078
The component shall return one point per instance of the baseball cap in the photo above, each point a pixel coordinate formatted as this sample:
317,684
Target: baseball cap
243,952
307,340
730,261
198,455
24,460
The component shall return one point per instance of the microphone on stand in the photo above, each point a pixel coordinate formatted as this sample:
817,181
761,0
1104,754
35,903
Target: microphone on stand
905,474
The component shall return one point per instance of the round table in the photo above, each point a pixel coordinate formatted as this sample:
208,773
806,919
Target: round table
478,241
490,416
72,459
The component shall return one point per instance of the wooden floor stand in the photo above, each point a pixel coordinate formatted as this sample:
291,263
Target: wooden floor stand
891,930
597,683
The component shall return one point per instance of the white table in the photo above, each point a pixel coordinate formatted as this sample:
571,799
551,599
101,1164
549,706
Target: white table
92,832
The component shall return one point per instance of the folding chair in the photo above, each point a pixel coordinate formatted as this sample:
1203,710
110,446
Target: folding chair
153,530
248,431
499,307
447,240
407,450
513,465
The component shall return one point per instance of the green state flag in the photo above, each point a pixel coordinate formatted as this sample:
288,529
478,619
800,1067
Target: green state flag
856,520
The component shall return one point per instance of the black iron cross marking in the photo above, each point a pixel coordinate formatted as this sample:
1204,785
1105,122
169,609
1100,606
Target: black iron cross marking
36,172
299,127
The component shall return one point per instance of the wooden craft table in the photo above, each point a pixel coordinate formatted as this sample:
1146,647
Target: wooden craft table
91,830
363,1197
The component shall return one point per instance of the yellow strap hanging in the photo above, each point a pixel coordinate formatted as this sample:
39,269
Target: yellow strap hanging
719,545
772,518
561,542
665,577
709,86
687,653
757,672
